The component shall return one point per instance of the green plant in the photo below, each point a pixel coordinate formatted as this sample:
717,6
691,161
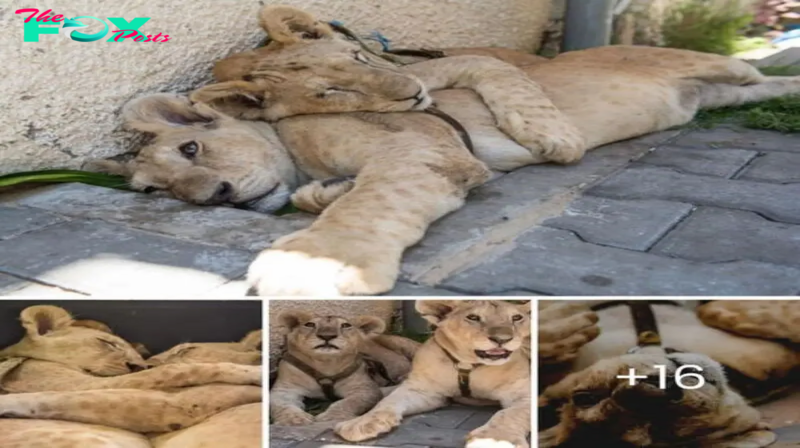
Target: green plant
63,176
778,114
710,26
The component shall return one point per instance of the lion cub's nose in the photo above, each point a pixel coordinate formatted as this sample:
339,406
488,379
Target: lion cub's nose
500,340
326,337
224,193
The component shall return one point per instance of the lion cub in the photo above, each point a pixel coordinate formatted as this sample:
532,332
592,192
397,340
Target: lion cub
324,358
480,349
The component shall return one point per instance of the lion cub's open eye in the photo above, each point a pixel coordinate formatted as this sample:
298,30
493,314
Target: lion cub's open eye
310,324
586,398
148,190
517,317
189,149
473,317
346,325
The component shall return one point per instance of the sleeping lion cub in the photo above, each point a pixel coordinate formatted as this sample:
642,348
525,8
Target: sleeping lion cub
696,399
479,349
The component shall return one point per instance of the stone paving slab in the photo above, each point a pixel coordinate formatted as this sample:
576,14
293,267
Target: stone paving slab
777,202
100,258
557,262
718,235
773,167
15,221
518,199
635,225
442,428
712,162
224,226
732,137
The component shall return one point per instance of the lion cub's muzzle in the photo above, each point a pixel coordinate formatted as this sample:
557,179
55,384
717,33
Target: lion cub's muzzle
647,396
498,352
326,344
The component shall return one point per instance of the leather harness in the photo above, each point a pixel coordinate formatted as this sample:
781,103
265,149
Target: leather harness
326,382
647,334
463,374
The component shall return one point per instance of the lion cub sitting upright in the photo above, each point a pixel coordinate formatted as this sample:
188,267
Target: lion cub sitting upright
333,357
480,349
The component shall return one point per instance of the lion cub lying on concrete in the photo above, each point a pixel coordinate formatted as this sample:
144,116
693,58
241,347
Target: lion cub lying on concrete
87,388
480,349
594,407
330,100
324,358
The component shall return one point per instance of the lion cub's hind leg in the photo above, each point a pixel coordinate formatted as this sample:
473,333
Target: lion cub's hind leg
767,319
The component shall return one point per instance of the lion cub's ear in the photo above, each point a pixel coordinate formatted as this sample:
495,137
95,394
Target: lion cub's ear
370,325
252,341
40,320
434,311
163,112
289,319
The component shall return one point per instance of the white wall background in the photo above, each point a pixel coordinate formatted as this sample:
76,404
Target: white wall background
59,98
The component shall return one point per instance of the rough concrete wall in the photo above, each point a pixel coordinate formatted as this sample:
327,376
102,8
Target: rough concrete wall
346,308
60,98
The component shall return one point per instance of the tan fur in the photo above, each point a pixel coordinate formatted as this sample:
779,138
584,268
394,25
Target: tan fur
352,338
768,319
52,375
714,415
433,378
411,168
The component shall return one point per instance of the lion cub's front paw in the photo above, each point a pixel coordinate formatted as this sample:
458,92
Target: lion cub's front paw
334,416
294,418
484,437
278,272
553,139
367,426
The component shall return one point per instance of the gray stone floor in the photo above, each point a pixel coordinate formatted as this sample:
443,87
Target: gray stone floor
443,428
684,212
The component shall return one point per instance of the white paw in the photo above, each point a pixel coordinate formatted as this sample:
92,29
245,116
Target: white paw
489,443
294,273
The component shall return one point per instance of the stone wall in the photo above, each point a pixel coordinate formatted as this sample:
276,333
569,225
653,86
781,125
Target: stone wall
60,98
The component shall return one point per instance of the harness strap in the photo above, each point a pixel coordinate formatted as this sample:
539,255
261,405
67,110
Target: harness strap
757,391
326,382
460,129
463,374
644,321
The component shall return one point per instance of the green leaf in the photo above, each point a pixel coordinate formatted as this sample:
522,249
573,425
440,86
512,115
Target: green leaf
64,176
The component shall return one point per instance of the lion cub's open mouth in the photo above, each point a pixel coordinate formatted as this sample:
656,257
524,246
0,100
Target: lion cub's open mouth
493,354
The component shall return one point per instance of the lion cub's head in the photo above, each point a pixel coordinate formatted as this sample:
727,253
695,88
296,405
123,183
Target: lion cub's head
681,399
479,331
205,157
53,335
308,69
327,336
247,351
